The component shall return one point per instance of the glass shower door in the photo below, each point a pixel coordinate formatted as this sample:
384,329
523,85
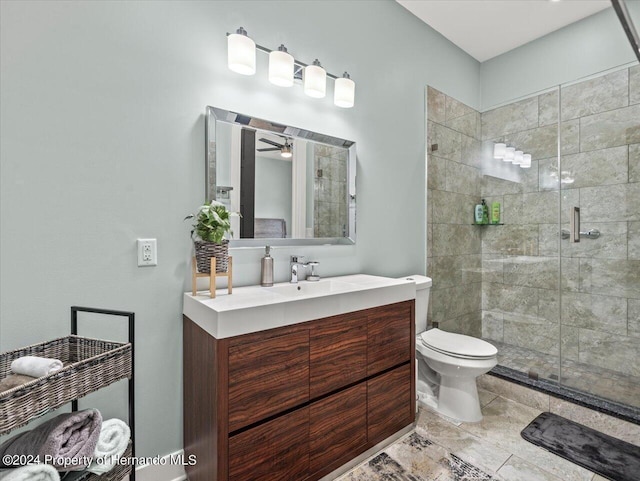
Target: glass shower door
599,182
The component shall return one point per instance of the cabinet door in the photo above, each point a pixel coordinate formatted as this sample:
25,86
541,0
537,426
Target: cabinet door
338,426
389,336
338,353
389,400
277,450
267,377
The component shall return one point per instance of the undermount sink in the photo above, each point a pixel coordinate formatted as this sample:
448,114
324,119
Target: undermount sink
254,308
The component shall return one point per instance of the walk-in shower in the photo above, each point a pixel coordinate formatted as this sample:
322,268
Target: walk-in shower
561,308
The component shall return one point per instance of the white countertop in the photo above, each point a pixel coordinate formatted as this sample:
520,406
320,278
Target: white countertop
254,308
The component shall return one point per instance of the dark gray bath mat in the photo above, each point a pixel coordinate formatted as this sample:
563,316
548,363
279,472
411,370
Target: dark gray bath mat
610,457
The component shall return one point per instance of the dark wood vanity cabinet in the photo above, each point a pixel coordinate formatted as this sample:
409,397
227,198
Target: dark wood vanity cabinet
267,377
297,402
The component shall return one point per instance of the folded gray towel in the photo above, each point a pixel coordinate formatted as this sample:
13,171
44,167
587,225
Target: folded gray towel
14,380
67,441
36,472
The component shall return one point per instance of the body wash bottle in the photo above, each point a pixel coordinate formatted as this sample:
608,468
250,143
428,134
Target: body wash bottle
478,213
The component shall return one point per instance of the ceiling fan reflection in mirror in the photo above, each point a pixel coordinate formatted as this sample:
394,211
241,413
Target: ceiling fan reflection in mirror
286,148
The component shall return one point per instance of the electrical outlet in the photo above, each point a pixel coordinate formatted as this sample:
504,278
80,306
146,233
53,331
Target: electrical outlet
147,252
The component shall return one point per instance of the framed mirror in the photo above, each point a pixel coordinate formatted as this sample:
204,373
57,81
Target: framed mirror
290,185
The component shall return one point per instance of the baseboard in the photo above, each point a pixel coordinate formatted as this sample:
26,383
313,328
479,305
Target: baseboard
167,468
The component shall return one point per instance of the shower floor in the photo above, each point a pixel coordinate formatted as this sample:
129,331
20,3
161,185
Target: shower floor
601,382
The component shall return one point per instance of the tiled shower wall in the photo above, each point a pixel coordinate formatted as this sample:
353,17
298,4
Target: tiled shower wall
453,188
330,196
600,279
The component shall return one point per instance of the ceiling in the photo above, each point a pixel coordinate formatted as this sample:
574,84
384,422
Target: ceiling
487,28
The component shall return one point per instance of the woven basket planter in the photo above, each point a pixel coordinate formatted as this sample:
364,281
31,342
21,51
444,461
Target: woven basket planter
89,365
206,250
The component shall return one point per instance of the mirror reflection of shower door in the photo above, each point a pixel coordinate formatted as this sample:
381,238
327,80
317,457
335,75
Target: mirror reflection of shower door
599,173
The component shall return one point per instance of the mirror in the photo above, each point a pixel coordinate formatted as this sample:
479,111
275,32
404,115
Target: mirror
291,186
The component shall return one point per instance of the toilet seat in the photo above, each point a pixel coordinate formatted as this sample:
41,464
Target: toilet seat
457,345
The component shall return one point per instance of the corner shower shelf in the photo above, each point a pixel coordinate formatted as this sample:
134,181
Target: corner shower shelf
89,365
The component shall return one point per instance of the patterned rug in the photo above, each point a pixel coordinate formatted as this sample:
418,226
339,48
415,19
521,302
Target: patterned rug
415,458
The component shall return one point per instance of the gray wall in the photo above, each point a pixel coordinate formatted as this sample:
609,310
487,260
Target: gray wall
273,189
594,44
102,125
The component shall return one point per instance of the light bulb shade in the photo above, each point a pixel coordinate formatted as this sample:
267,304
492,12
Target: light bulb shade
281,67
526,161
509,154
517,157
286,151
241,53
499,150
344,92
315,80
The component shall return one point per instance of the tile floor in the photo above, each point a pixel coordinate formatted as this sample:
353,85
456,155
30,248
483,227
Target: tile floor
599,381
439,450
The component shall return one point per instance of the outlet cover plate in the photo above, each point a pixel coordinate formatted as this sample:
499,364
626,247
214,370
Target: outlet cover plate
147,252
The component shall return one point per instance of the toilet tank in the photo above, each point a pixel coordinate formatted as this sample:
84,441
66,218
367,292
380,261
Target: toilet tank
423,286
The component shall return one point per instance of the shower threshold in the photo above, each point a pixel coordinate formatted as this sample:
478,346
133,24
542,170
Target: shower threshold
515,362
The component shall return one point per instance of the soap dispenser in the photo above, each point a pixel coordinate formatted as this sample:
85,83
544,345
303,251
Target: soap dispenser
266,273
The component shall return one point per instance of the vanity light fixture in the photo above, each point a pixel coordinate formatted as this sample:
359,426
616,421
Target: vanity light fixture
241,53
281,67
518,157
344,91
315,80
509,154
284,69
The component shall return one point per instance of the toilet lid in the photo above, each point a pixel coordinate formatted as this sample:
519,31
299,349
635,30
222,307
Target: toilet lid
458,345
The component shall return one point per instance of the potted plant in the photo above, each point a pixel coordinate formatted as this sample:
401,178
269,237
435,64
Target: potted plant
212,223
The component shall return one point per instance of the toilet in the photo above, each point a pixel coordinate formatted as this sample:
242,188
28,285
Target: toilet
448,364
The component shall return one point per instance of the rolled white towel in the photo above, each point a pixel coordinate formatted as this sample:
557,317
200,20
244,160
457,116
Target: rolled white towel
112,443
34,472
35,366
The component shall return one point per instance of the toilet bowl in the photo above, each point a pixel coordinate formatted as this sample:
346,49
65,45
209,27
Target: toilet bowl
448,364
457,360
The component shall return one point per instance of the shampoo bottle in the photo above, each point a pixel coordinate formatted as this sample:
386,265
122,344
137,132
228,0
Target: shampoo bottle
266,272
495,212
485,212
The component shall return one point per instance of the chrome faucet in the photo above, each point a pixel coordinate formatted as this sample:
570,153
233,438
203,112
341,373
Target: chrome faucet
296,263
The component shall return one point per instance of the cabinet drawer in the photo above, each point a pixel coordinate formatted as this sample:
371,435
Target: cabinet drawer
338,353
389,400
274,451
338,426
389,337
267,377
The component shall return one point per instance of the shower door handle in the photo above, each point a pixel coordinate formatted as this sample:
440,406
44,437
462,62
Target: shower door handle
574,224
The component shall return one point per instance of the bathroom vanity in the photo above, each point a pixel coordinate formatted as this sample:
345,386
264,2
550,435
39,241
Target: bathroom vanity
292,382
